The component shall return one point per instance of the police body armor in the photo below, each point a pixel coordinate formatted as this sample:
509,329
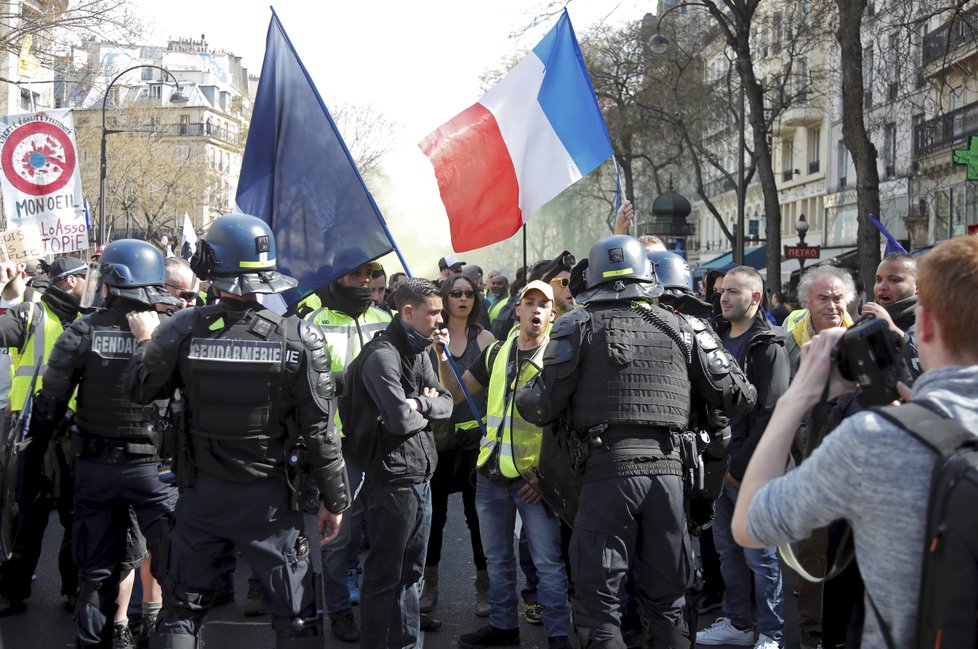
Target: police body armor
234,380
111,427
633,375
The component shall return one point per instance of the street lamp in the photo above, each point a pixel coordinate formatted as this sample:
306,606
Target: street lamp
801,227
176,98
659,44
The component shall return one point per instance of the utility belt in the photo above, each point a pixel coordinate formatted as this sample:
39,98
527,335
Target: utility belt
616,442
115,450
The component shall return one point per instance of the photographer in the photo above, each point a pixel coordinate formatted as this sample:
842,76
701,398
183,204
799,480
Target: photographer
867,471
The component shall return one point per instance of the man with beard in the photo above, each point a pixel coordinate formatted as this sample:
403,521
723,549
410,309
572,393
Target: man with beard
345,311
895,291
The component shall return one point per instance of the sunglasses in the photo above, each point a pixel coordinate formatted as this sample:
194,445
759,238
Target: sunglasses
459,293
563,281
186,296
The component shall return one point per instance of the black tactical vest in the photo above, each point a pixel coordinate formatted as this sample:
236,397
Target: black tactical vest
234,372
632,372
104,409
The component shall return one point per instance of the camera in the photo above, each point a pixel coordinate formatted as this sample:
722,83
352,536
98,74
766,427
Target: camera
872,355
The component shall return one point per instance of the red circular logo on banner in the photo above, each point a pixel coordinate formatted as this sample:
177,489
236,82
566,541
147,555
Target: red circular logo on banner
38,158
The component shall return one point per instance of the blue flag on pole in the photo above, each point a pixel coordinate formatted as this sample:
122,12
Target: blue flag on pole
299,177
892,245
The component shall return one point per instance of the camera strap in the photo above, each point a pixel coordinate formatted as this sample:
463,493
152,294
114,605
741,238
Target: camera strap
817,422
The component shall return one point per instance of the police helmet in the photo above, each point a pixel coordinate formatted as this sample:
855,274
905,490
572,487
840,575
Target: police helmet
617,258
133,269
238,256
671,270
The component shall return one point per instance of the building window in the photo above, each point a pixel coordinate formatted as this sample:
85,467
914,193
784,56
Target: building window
28,100
156,91
868,76
889,150
787,159
814,150
843,159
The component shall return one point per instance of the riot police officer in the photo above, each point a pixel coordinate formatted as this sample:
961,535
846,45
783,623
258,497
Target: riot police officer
113,439
619,373
258,390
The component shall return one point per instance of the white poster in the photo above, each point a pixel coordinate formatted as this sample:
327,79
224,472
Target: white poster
40,179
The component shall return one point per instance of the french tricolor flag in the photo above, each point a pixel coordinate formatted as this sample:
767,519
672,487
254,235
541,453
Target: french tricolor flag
538,131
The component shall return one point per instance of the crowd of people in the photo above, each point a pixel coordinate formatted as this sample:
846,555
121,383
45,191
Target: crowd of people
650,436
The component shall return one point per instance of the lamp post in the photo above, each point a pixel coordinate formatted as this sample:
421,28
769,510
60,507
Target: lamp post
176,97
659,44
801,227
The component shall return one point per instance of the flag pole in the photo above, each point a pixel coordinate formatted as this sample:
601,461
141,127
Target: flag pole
525,269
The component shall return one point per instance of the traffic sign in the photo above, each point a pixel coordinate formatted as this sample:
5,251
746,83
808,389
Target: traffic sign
802,252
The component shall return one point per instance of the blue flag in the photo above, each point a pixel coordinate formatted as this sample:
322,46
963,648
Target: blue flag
299,177
892,245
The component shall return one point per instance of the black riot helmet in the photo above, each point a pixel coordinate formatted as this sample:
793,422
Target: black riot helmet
618,257
132,269
238,256
671,270
618,270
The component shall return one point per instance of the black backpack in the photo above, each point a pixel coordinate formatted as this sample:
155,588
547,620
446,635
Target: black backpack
947,614
358,412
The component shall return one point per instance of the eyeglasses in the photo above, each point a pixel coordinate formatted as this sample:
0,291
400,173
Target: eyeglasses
459,293
186,296
563,281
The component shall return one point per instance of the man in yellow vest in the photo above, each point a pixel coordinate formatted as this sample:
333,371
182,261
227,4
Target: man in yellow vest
500,491
345,312
29,329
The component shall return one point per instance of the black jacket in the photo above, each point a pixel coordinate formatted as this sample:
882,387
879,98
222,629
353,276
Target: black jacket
391,374
766,365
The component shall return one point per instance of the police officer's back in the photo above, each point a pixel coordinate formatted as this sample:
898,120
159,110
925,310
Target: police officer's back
619,374
113,439
257,388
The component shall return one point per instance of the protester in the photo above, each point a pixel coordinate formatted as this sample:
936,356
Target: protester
502,491
346,312
405,393
458,442
760,350
29,329
449,265
895,291
883,495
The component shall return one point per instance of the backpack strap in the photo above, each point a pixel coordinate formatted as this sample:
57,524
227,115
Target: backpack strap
923,421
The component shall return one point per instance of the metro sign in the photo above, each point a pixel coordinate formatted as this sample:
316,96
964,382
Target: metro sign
802,252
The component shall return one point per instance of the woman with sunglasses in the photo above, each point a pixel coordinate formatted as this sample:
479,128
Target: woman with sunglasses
458,446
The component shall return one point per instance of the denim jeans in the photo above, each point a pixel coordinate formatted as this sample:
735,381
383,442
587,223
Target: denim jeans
398,521
335,553
738,565
497,507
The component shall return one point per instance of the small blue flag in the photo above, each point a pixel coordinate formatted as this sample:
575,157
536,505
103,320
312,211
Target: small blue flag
892,245
299,177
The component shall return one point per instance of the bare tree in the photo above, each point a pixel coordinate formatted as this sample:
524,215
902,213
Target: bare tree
367,134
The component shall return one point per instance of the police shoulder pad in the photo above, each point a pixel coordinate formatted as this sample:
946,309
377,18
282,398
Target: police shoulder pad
71,339
311,335
570,323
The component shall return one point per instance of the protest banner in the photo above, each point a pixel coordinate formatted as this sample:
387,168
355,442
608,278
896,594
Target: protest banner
21,244
40,179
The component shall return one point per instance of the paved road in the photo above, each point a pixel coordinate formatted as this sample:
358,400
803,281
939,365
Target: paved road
46,625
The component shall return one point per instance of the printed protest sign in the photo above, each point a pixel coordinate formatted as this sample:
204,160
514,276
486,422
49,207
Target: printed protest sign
40,179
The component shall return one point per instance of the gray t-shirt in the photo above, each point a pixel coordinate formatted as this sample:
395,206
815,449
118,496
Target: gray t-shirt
878,478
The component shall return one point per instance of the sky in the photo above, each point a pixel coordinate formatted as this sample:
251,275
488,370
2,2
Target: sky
417,63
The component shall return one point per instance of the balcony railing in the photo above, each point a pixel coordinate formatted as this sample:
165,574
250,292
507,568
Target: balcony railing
843,183
944,130
961,30
814,166
787,175
198,129
719,186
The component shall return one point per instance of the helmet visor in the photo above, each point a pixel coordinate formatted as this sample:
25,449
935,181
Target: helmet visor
91,296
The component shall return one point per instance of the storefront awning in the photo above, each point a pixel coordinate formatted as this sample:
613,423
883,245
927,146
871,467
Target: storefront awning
754,257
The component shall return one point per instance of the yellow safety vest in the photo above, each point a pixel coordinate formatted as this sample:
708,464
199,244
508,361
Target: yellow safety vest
33,353
497,306
519,440
342,339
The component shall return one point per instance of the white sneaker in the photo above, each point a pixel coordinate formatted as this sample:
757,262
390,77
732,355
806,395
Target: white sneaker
724,632
764,642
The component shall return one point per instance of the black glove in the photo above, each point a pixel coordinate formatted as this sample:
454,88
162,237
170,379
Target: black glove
702,510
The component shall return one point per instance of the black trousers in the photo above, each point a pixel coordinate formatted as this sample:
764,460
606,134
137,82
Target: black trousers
254,517
103,495
617,520
455,473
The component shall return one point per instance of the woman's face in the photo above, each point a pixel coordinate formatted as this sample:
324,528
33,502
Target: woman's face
461,298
